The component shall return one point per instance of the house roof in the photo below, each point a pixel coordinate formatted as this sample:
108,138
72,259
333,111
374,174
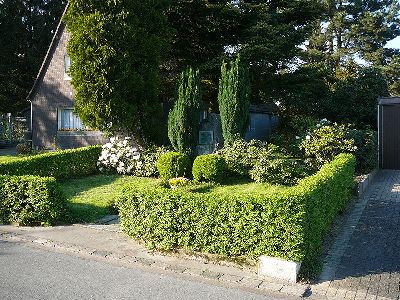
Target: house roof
49,55
389,100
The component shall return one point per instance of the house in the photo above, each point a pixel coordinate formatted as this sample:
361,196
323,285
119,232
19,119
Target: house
53,123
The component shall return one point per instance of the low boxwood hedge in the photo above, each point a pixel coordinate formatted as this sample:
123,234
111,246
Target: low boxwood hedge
60,164
290,224
30,200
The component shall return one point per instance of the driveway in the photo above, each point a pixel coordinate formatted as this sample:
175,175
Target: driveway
364,262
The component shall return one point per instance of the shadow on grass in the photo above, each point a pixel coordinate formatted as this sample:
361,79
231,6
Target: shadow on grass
87,198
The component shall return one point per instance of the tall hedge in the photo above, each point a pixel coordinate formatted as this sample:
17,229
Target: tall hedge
290,224
61,164
184,118
234,99
116,49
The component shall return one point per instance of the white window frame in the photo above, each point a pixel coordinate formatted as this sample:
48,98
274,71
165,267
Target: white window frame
71,120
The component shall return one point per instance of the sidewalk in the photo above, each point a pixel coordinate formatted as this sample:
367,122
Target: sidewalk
364,262
105,242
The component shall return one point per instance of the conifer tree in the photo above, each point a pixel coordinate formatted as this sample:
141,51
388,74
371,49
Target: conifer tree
234,99
183,119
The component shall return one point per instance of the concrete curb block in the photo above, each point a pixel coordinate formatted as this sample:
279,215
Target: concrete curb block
366,182
279,268
258,283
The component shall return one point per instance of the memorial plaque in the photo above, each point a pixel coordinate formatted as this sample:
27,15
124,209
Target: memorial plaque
206,137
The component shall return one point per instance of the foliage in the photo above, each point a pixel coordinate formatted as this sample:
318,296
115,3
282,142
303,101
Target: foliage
183,119
355,99
241,156
92,197
116,48
209,167
30,200
327,141
123,157
26,30
173,164
59,164
234,99
24,148
285,171
366,144
289,223
119,156
178,181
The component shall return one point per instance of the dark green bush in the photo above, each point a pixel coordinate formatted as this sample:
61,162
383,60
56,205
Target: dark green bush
285,171
366,142
211,167
30,200
173,164
60,164
24,148
290,224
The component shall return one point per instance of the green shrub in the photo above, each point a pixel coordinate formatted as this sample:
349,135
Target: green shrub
209,167
173,164
289,224
240,156
148,161
60,164
24,148
366,143
327,141
30,200
285,171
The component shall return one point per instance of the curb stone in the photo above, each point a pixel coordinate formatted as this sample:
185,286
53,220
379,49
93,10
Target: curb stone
256,283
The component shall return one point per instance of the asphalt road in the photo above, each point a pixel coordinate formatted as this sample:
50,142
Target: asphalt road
35,273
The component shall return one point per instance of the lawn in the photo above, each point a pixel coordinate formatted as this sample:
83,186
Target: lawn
91,198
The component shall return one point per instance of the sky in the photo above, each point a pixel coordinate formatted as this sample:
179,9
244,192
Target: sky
395,43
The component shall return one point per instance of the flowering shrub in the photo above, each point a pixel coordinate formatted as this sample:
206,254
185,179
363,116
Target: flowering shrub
327,140
119,155
178,181
125,158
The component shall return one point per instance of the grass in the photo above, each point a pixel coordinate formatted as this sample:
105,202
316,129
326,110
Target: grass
91,198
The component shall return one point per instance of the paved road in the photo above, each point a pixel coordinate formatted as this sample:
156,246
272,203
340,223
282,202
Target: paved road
365,260
35,273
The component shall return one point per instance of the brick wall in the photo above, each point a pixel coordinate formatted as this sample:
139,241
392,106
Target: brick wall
54,91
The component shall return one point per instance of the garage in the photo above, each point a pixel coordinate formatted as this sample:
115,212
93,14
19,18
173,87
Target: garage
389,133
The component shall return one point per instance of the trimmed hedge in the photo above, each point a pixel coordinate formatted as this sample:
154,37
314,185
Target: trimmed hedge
289,224
61,164
210,167
30,200
173,164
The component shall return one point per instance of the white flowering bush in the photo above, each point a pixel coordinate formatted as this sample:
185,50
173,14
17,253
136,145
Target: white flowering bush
121,156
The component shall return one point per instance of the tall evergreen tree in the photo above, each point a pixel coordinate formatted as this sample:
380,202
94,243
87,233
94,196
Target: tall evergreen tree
26,30
234,99
355,32
116,48
184,118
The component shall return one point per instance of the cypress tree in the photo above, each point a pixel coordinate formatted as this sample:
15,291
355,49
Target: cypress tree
234,99
183,119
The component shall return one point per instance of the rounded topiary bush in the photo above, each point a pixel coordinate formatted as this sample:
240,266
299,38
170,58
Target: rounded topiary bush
173,164
209,167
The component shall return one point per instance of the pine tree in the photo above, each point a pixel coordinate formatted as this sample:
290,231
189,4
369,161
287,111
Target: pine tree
234,99
183,119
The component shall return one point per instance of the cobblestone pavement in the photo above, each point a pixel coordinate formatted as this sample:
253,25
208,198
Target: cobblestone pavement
364,262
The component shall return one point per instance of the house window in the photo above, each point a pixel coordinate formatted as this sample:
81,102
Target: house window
67,120
67,66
